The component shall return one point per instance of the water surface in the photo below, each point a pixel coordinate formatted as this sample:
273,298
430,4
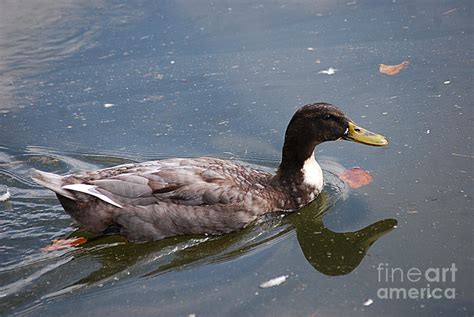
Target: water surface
94,84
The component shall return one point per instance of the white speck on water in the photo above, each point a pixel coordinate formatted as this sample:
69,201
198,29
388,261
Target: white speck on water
462,155
108,105
172,62
4,193
329,71
274,281
428,131
368,302
153,98
310,48
446,82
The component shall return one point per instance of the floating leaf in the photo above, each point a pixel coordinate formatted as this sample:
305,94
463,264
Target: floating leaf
64,244
356,177
393,69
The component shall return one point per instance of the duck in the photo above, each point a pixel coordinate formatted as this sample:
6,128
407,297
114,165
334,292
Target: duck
192,196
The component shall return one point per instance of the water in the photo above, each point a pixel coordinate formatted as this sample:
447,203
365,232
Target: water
94,84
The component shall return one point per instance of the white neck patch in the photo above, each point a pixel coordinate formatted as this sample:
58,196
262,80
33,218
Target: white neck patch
312,173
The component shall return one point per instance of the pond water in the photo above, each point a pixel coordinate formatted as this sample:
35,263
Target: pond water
91,84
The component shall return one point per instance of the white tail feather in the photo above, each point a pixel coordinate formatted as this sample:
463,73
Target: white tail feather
91,190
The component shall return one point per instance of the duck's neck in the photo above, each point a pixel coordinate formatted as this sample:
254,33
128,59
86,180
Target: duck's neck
298,164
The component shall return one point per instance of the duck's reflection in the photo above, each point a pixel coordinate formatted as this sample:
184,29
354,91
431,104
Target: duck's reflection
335,253
331,253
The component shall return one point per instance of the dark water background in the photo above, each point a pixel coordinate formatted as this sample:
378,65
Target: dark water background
90,84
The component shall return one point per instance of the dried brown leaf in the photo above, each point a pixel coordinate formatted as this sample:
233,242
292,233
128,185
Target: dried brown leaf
356,177
393,69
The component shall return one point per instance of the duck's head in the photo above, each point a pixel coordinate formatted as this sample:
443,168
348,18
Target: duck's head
323,122
320,122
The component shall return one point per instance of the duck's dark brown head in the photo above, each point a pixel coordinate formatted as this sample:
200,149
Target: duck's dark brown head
319,122
316,123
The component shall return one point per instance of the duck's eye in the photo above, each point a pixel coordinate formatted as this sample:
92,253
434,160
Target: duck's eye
328,117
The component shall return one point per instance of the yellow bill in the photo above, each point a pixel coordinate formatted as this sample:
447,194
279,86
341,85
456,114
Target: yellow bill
361,135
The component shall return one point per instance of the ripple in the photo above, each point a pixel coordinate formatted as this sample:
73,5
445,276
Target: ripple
26,281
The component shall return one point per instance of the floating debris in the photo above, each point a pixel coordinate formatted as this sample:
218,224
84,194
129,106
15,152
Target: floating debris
153,98
449,11
368,302
4,193
393,69
154,74
462,155
274,281
356,177
329,71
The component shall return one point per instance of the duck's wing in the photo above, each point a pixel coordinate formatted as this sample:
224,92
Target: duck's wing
184,185
193,182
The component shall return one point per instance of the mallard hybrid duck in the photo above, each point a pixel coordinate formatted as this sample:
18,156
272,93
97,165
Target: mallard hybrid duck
157,199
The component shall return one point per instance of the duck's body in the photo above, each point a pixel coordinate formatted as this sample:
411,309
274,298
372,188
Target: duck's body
157,199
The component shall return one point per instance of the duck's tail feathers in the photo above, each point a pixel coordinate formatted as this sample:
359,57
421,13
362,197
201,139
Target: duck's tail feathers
51,181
